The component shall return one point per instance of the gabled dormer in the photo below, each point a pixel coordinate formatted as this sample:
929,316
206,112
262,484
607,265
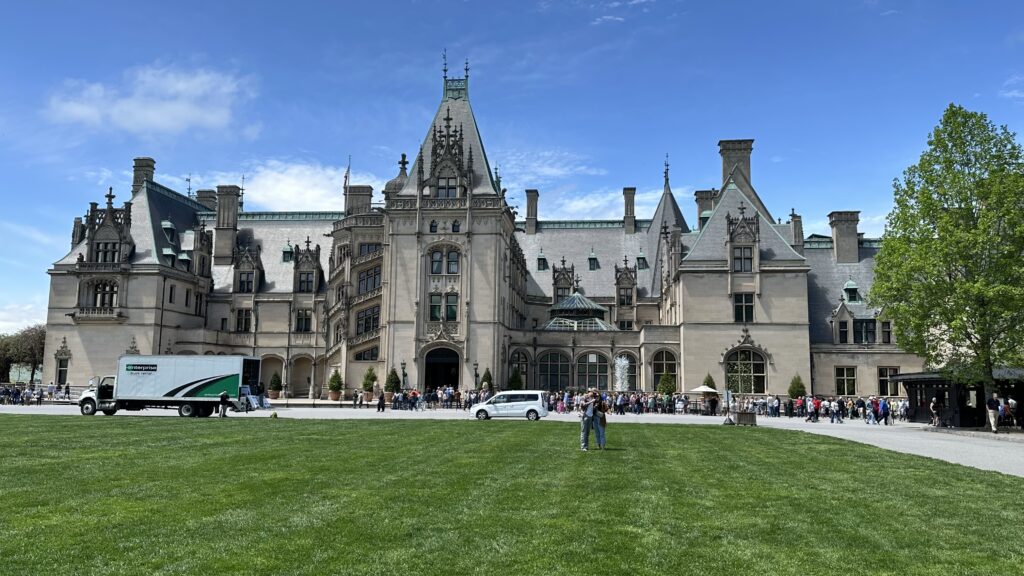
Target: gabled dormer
563,278
108,232
742,241
308,275
625,284
248,266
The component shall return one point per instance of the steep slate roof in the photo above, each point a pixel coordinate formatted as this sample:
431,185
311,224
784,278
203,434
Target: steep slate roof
461,117
825,283
710,244
577,304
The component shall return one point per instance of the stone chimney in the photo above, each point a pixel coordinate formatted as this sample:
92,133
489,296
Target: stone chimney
735,153
531,211
227,224
629,216
844,236
796,223
705,204
207,198
143,170
77,232
358,198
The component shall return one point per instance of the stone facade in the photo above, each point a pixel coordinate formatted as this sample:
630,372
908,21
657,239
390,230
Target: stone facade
441,282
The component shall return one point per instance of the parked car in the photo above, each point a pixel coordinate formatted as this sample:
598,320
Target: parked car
512,404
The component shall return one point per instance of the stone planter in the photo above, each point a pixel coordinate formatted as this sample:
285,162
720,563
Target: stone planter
367,397
334,395
274,394
387,397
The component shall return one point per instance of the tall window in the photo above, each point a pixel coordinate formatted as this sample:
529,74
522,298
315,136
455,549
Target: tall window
305,282
107,251
844,331
592,371
743,259
188,297
243,320
553,370
368,354
105,295
664,363
863,331
453,262
170,294
451,307
886,332
368,320
521,362
743,307
245,282
447,186
630,373
745,372
594,264
369,280
435,308
368,248
62,371
625,296
339,333
846,380
304,321
437,262
561,293
886,387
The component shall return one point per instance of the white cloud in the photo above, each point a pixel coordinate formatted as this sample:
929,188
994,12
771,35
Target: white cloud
155,99
605,204
30,233
284,185
537,168
777,159
1011,87
14,317
606,19
890,12
872,226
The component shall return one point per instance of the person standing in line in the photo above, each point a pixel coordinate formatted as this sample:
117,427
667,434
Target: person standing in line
67,391
587,409
993,412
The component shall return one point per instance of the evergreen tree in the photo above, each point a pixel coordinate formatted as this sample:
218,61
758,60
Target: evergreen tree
796,387
486,381
515,381
369,379
710,382
393,383
336,383
667,384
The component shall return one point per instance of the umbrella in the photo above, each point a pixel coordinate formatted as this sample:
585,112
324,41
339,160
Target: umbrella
704,390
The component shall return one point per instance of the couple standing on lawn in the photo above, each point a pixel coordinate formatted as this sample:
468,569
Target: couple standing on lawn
592,415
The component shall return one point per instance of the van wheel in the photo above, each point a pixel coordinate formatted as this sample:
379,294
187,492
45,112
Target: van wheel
88,408
482,415
110,411
532,415
186,410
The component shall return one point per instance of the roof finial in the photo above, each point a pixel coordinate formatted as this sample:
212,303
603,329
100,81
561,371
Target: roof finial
189,182
444,56
576,283
307,243
403,163
467,68
241,195
563,261
625,261
110,197
666,167
742,209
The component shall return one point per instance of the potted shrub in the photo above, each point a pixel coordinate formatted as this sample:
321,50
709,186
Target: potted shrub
796,387
275,386
334,386
487,381
392,386
369,379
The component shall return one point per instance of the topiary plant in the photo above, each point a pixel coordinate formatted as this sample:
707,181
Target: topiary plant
393,384
709,381
275,382
796,387
486,380
515,381
369,379
336,383
667,384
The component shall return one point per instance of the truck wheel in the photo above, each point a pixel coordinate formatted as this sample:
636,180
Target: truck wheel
110,411
186,410
205,411
88,407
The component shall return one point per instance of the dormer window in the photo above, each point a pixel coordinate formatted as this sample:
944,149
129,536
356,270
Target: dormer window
743,259
433,226
594,265
456,226
447,186
851,290
641,263
287,254
542,263
107,251
245,282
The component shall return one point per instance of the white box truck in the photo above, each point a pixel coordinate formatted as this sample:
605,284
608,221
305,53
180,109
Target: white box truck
190,384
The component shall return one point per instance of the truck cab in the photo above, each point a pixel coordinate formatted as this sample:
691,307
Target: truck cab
99,397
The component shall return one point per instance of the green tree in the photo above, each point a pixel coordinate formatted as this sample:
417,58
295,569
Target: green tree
796,387
515,381
275,382
6,357
28,348
667,384
710,382
949,272
486,381
336,383
393,383
369,379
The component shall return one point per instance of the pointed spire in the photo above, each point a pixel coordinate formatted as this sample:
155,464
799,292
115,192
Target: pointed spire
444,57
668,189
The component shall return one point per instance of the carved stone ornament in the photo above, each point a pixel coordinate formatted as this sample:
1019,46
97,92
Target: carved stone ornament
133,348
747,343
445,331
63,352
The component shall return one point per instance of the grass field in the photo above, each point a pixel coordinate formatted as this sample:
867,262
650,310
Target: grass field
258,496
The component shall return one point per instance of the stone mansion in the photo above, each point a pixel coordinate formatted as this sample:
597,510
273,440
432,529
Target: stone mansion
442,282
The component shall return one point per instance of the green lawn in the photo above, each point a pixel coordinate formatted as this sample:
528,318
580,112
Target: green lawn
258,496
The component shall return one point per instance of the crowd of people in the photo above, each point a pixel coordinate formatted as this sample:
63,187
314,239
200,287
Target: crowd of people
872,410
27,395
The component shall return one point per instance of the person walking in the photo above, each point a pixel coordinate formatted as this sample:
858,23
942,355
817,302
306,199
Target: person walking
380,402
587,410
993,412
600,422
223,403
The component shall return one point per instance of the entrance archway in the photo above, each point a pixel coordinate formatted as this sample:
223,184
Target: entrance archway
442,369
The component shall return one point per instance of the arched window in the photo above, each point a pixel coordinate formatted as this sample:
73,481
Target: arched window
453,262
436,262
630,375
592,371
521,362
553,370
745,372
433,226
456,226
105,295
664,363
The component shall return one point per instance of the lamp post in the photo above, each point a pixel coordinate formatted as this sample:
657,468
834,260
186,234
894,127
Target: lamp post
476,375
405,378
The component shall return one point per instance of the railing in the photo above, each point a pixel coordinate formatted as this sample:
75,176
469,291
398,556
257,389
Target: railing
442,203
442,280
101,266
364,337
360,220
98,314
356,300
304,339
367,257
239,338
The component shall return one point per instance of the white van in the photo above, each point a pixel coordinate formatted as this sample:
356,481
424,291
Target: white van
514,404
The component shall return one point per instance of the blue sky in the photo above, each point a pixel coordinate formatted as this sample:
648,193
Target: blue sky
577,99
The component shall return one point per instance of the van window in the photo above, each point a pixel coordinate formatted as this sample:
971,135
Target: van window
531,397
499,399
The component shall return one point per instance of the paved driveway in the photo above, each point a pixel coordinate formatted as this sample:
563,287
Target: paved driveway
1003,453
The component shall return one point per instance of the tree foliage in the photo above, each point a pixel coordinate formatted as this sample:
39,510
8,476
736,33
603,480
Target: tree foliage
6,356
709,381
796,387
486,380
667,384
369,379
24,347
393,383
515,381
336,383
275,382
949,274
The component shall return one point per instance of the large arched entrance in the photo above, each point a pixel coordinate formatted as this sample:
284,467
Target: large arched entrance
442,369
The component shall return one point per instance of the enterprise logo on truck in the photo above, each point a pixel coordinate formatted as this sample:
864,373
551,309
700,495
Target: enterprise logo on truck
140,368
